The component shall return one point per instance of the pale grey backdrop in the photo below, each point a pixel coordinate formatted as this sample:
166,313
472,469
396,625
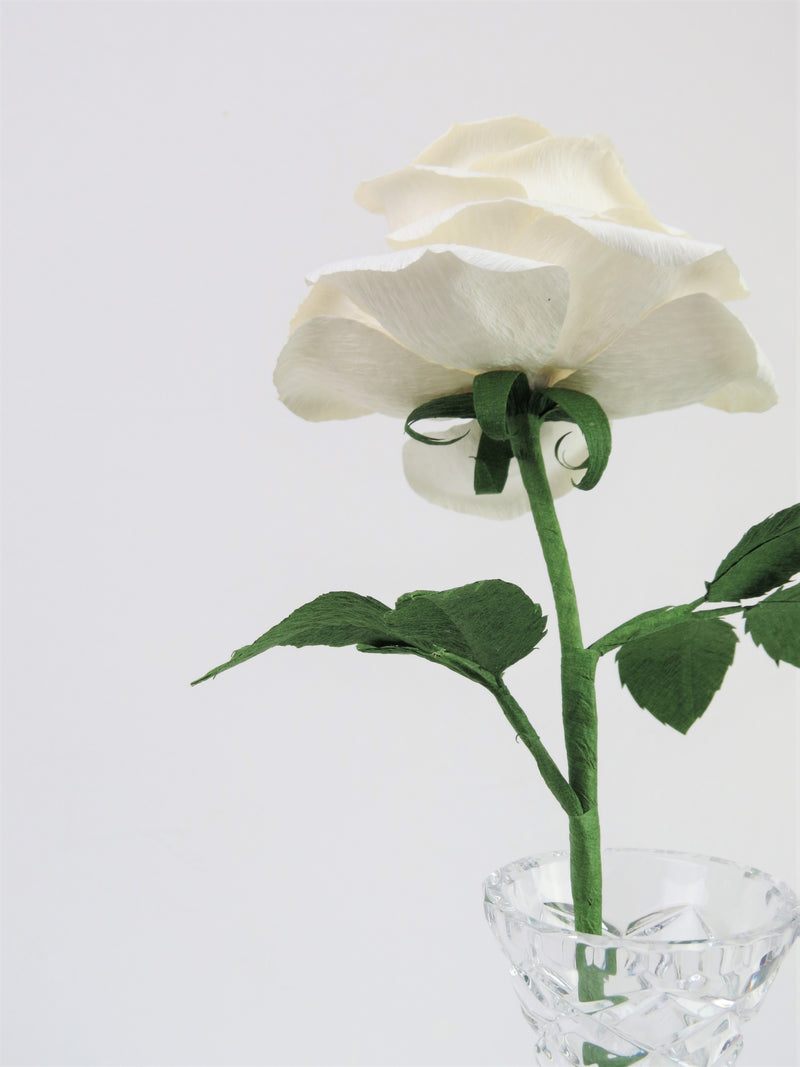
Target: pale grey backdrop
285,866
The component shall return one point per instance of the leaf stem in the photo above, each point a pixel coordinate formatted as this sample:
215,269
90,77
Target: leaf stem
554,779
548,768
650,622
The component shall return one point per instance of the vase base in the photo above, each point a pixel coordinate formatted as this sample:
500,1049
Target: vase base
717,1043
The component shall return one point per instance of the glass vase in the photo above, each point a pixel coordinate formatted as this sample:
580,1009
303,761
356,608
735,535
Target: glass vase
691,944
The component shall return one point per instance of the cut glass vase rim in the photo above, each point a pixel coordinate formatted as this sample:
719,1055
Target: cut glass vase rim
787,916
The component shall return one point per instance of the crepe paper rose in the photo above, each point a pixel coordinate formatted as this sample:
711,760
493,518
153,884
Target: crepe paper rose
532,293
517,249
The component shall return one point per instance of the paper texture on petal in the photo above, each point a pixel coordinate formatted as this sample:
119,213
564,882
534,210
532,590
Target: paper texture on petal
462,307
333,368
682,353
519,250
751,393
722,277
492,224
414,192
583,172
641,219
618,275
325,299
467,142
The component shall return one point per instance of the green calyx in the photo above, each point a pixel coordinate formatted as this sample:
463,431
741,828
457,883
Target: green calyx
498,399
458,406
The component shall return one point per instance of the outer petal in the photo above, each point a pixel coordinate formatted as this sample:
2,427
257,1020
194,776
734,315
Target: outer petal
325,299
462,307
497,224
333,368
749,393
416,191
444,474
466,142
642,219
619,274
582,172
493,224
719,273
685,352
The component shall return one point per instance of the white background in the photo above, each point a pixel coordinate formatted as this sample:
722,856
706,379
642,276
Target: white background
285,866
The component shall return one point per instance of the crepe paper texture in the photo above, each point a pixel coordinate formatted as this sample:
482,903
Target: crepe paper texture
516,249
481,628
766,557
531,297
673,660
674,673
774,624
499,396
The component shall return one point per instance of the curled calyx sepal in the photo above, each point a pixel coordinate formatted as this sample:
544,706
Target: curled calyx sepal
498,401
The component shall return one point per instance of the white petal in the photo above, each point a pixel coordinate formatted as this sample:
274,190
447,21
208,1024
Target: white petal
416,191
582,172
497,224
618,274
641,219
683,353
712,265
462,307
493,224
333,368
465,142
751,393
325,299
443,474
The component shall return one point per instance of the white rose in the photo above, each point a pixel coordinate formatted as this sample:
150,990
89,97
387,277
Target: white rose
515,249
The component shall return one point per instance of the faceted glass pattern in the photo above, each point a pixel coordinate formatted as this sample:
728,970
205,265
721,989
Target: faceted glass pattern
691,945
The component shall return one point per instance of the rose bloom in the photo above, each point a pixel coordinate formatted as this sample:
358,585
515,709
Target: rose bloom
517,249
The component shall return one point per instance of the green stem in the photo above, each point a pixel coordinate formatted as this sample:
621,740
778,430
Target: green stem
579,712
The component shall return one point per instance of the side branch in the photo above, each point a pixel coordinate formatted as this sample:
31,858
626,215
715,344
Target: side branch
650,622
548,768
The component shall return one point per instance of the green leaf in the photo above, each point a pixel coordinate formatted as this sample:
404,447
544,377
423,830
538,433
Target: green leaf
335,619
774,624
491,623
477,630
767,556
674,673
593,423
